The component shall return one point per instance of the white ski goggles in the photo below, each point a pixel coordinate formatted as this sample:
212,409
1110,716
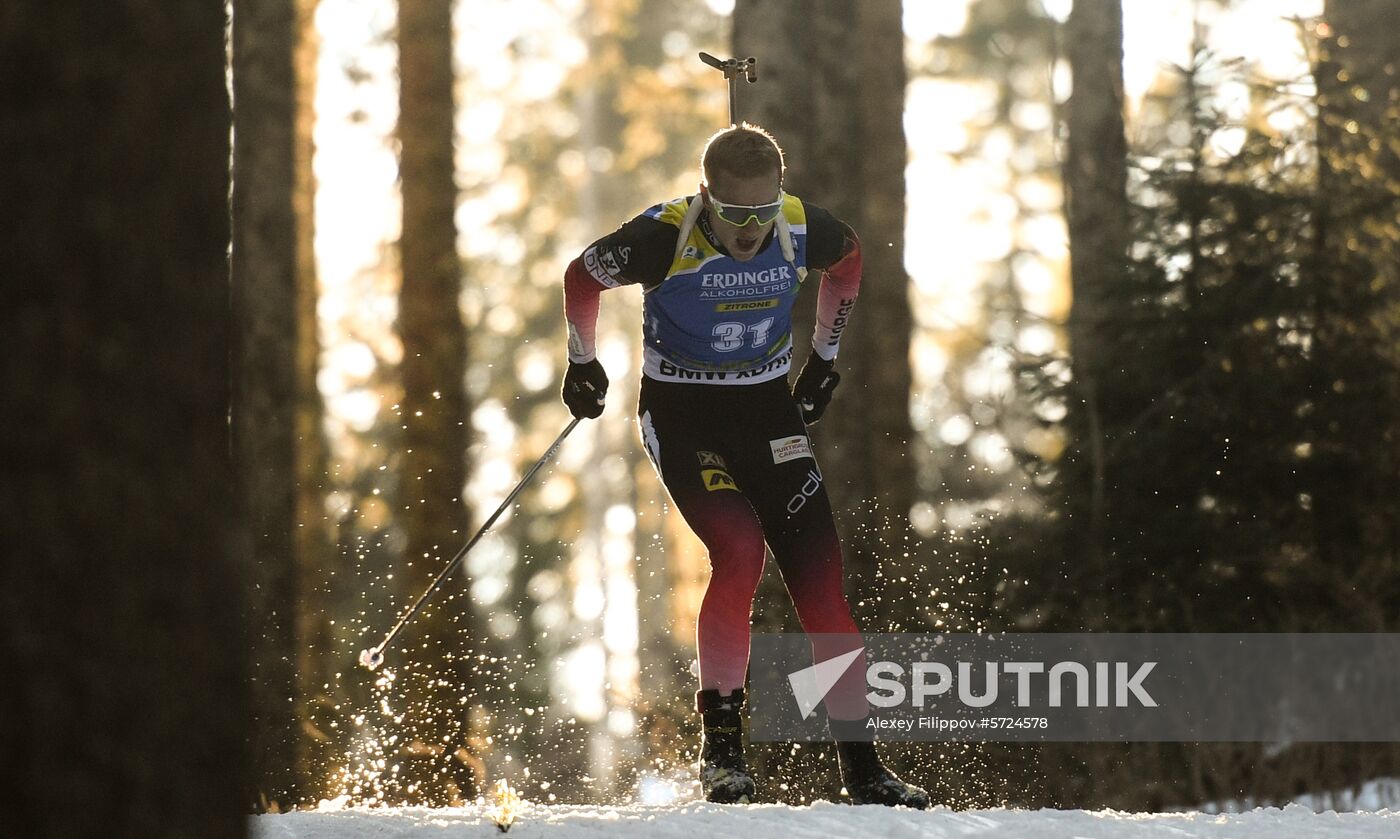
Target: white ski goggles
740,214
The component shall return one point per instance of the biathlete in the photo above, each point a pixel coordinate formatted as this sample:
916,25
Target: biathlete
720,272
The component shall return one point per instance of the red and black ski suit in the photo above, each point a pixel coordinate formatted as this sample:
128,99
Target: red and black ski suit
718,419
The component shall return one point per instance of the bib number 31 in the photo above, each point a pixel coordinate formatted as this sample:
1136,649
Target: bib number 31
732,335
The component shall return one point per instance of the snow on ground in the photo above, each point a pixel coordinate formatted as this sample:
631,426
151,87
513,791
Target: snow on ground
822,819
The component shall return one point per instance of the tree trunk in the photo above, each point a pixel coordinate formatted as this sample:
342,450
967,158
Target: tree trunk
1096,209
125,708
1352,473
265,383
875,436
839,118
318,656
435,413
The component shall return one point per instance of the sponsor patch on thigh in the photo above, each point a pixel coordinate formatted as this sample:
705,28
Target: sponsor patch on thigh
790,448
717,479
710,459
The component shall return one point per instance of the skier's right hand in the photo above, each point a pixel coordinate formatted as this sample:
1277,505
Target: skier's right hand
585,388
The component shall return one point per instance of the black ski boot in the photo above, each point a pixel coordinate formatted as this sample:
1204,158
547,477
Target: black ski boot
724,776
869,782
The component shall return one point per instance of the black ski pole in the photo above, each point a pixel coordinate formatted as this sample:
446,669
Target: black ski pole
374,656
732,68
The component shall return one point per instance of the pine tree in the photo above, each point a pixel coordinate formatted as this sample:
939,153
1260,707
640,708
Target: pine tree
125,710
839,118
434,414
1096,210
266,287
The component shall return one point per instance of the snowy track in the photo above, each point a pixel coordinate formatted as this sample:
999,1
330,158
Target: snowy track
775,821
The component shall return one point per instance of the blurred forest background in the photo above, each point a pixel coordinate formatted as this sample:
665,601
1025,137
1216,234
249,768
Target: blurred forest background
1125,359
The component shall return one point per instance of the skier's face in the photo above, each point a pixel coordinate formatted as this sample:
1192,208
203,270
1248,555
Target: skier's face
742,240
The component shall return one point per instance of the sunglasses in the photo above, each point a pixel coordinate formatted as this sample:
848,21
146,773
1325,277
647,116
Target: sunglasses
740,214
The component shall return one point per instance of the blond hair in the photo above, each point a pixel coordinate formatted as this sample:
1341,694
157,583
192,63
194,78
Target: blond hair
741,151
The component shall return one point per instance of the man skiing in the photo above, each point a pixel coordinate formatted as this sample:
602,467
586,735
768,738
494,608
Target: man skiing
720,272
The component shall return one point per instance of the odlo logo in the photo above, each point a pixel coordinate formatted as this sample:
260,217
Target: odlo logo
809,489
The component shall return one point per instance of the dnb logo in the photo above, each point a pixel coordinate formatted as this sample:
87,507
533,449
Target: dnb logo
713,472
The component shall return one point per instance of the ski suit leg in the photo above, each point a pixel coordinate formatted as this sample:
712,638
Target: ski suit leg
779,473
687,448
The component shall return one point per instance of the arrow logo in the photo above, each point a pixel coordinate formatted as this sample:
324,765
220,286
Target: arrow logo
811,685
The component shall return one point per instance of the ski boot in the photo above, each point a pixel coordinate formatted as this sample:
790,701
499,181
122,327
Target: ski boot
868,781
724,776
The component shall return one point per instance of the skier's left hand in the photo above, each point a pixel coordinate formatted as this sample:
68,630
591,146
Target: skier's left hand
814,387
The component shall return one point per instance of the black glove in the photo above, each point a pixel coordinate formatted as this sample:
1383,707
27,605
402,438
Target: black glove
814,387
585,387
